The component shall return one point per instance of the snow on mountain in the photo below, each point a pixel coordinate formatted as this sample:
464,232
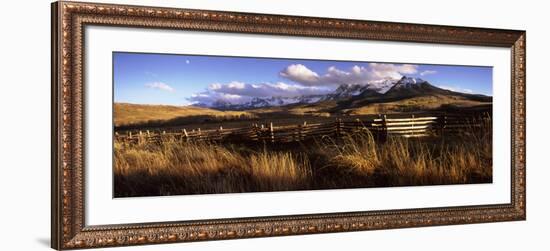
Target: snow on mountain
351,90
344,91
408,82
382,86
406,86
260,102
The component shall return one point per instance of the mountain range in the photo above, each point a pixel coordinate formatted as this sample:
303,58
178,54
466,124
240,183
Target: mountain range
354,95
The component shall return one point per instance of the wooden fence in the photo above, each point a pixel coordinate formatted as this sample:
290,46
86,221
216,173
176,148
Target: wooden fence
381,127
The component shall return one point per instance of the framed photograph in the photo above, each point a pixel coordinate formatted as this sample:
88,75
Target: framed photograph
176,125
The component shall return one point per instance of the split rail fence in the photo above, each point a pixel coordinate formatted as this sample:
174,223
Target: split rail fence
381,127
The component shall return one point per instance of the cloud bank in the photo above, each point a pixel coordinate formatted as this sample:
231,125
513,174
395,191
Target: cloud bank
305,82
238,92
356,75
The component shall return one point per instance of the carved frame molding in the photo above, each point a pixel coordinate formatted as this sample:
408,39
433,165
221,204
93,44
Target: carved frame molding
68,226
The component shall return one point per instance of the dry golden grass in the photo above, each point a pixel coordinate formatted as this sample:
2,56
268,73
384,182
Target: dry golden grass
275,171
131,114
422,103
354,161
404,162
197,168
316,109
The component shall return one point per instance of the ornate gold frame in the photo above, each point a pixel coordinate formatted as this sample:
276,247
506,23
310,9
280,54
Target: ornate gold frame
68,22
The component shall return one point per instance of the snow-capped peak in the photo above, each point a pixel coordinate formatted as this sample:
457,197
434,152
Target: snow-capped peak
380,86
408,80
383,85
343,91
348,89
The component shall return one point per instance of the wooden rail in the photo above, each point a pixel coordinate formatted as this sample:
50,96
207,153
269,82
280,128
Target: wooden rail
381,127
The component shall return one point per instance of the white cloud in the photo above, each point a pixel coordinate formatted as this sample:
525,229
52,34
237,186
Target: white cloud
160,86
381,71
456,89
301,74
427,72
356,75
238,92
308,82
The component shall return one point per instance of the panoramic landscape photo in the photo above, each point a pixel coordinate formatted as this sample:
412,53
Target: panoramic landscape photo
195,124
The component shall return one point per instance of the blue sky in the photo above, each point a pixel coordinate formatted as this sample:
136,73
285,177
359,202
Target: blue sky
185,79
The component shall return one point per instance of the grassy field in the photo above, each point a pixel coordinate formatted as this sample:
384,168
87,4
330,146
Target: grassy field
143,117
135,114
353,161
422,103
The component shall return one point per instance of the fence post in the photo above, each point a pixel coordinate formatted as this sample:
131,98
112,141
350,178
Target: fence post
444,126
271,134
441,124
185,135
384,129
300,132
262,133
304,131
379,128
412,125
258,132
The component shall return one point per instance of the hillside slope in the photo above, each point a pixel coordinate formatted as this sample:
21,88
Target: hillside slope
131,114
407,95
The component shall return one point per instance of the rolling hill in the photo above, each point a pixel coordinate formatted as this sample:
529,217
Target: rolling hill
405,95
132,114
410,95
